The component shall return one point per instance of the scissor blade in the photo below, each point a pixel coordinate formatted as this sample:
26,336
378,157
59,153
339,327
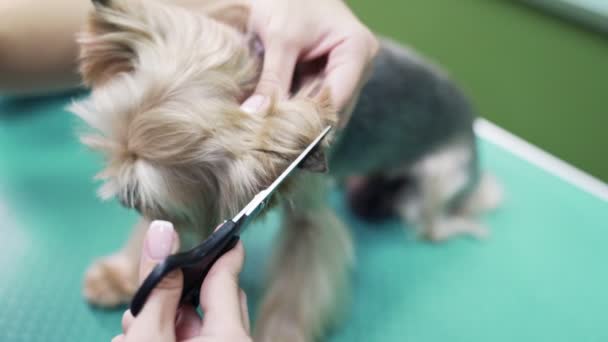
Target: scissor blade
298,160
266,193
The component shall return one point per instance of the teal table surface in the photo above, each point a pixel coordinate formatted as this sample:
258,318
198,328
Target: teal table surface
541,276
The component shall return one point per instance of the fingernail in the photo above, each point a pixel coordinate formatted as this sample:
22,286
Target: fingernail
254,104
160,240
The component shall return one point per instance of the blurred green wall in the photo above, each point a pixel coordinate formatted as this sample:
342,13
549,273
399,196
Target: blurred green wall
541,77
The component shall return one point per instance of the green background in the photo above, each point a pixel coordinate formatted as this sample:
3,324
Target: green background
541,77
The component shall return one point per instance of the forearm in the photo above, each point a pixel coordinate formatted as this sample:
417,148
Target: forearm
38,50
37,44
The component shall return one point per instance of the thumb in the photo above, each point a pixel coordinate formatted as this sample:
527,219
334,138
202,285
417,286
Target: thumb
346,67
275,79
220,296
161,305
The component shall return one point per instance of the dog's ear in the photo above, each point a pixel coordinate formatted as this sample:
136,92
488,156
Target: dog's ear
232,13
322,96
107,43
317,160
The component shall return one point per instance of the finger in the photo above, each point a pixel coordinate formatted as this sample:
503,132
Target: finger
244,311
127,320
345,69
275,79
188,324
277,72
220,294
160,241
119,338
161,306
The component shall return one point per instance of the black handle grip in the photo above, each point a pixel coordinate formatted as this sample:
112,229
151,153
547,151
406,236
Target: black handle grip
195,264
194,276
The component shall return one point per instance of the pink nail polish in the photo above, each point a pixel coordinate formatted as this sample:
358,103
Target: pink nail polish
159,240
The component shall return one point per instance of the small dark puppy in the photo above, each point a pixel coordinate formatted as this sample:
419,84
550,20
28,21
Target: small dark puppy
411,141
165,113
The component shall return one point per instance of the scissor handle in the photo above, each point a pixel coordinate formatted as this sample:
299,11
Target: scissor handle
194,276
195,264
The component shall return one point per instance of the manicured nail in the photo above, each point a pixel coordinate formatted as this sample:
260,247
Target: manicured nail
159,240
254,104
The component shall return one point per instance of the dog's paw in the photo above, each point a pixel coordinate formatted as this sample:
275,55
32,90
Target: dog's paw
111,281
456,226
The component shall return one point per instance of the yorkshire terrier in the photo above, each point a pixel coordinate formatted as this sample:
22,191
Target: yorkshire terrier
167,84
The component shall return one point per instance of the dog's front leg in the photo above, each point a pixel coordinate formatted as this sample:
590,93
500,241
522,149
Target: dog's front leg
308,278
112,280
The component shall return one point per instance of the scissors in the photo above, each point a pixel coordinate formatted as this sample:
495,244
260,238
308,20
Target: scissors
196,263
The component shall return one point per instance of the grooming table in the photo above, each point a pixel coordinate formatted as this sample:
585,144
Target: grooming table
541,276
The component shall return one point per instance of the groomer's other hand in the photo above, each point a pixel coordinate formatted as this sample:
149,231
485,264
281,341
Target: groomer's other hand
222,301
294,31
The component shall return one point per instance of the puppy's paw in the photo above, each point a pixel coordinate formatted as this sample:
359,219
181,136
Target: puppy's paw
111,281
456,226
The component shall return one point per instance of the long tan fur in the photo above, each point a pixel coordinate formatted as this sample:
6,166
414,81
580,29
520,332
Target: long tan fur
164,111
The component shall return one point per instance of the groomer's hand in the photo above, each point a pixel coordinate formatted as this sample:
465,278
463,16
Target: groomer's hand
295,32
222,301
